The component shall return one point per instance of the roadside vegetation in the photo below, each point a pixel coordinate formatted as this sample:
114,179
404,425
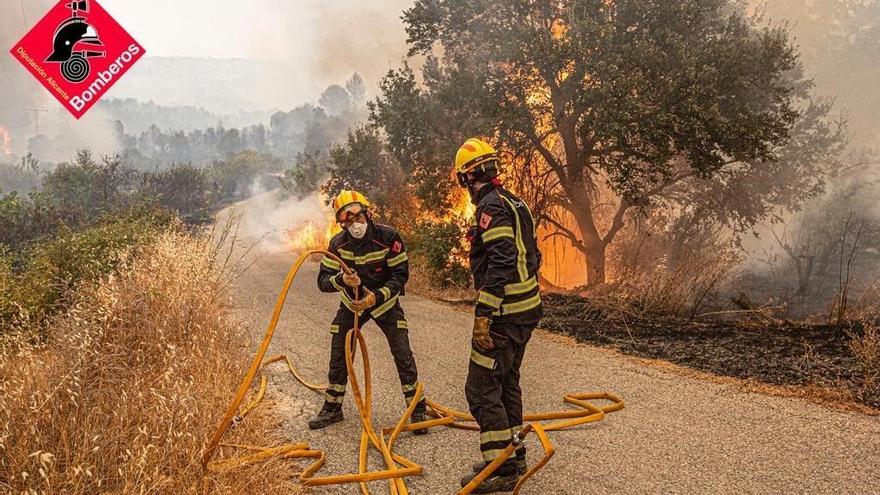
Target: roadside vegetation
118,350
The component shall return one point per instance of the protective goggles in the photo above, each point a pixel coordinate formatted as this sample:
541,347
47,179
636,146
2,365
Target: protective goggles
350,212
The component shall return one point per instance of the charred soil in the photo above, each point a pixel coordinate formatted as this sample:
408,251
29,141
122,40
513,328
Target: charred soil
784,354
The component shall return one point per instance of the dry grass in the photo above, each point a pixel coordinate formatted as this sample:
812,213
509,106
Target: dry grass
136,375
865,342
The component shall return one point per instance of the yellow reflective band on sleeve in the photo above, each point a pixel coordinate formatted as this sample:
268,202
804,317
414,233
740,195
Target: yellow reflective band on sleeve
521,287
335,283
484,361
520,246
495,436
489,300
401,324
400,258
386,292
381,310
497,233
334,328
519,307
330,263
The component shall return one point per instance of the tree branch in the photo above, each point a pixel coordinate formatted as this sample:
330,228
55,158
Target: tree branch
617,223
565,231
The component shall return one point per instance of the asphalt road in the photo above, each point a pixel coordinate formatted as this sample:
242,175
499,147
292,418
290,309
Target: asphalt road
677,434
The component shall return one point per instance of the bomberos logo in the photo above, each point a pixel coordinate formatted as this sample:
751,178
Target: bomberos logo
77,51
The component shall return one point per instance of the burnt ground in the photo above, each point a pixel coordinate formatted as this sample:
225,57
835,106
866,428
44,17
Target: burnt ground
783,354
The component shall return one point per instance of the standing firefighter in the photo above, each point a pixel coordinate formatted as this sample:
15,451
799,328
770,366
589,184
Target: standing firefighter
377,255
504,260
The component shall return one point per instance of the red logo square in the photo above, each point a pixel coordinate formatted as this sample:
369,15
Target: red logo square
485,220
77,51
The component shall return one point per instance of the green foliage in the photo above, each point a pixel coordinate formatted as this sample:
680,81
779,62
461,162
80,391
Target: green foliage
24,218
305,176
439,245
362,164
34,282
237,176
183,189
85,187
22,177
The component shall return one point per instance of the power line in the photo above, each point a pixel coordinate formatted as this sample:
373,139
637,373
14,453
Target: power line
36,118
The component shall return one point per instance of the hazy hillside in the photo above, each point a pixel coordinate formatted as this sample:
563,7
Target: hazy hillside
222,86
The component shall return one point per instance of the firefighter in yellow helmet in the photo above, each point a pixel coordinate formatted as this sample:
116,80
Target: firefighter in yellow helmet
504,261
377,255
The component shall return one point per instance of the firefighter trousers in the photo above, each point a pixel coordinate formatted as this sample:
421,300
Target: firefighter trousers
393,324
493,392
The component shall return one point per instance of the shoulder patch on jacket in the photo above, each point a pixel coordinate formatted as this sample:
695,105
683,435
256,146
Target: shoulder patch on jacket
396,247
485,220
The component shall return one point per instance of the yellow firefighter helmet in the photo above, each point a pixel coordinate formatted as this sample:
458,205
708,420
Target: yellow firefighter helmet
477,157
346,199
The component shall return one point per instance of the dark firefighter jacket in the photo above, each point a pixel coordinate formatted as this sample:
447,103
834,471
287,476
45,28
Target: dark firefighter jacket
504,257
380,260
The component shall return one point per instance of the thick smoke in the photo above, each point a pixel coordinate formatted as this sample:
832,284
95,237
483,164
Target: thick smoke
268,218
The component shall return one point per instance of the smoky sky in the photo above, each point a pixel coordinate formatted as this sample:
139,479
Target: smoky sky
303,46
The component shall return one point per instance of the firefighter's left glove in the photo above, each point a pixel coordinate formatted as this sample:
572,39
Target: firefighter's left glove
481,333
365,303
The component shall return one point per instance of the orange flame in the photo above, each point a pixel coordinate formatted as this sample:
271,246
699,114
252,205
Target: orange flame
6,145
562,264
309,235
558,29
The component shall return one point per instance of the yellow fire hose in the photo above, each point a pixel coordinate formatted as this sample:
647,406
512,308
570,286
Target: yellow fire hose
397,466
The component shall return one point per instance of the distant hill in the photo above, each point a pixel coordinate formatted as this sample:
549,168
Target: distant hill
137,116
220,86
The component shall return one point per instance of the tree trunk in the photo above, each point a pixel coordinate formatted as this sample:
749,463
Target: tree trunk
595,256
592,245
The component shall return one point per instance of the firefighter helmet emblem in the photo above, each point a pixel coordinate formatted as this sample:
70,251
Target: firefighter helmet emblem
71,43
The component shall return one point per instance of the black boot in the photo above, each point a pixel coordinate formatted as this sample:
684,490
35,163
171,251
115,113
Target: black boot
326,417
502,480
418,416
521,465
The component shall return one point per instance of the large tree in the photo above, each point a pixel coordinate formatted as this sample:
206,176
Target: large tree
603,107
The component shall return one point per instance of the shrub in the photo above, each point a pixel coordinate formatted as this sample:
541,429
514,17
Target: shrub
137,373
439,246
182,189
86,188
865,344
22,177
36,279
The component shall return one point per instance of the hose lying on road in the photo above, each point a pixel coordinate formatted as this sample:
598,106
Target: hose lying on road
397,467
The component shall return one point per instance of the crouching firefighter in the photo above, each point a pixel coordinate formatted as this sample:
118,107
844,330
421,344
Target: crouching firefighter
377,255
504,261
